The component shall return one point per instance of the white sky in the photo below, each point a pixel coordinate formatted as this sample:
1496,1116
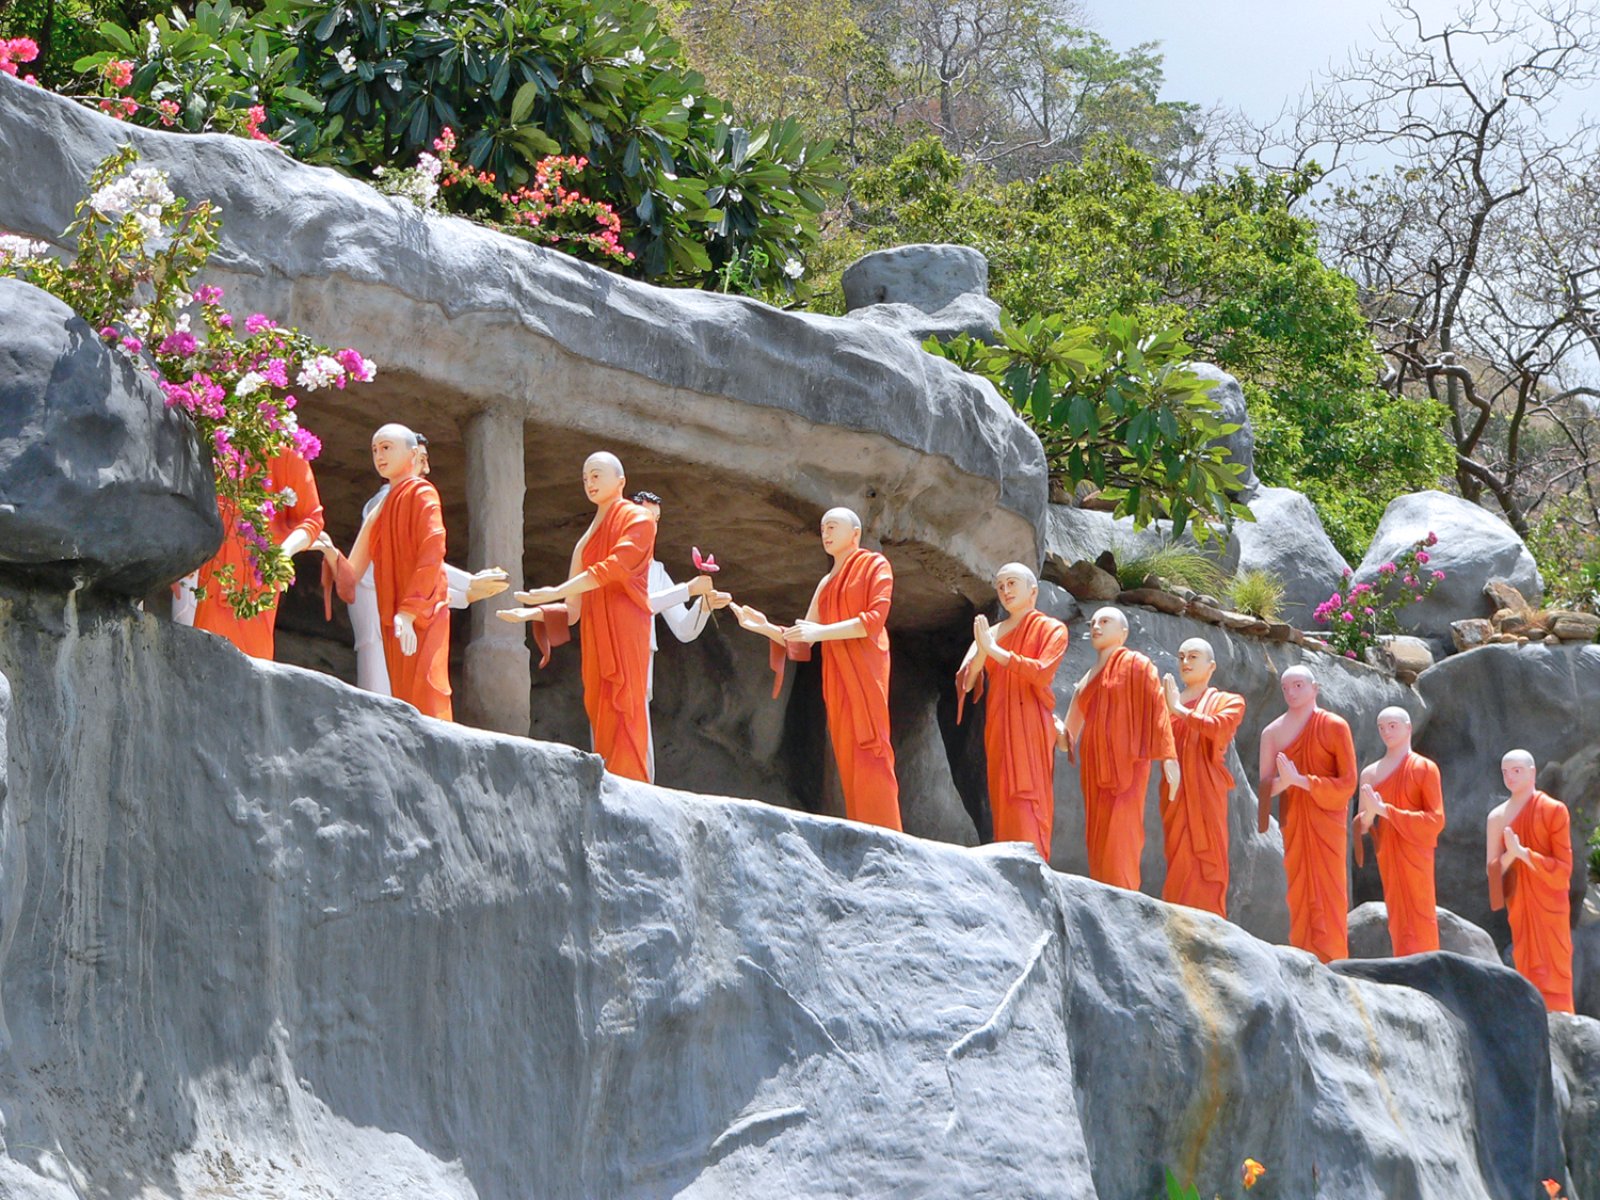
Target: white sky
1253,55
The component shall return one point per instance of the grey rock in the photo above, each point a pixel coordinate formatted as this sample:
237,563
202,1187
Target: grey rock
1072,533
322,942
926,277
976,315
1507,1047
788,413
1474,547
1543,699
1241,444
1575,1056
1369,934
1585,957
100,483
1288,540
1471,633
1401,653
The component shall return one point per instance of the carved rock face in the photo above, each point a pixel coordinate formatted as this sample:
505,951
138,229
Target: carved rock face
99,481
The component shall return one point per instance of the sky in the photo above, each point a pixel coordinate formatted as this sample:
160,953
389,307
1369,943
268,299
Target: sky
1253,55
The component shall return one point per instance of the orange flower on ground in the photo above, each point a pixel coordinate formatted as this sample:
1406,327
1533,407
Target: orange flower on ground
1252,1171
1552,1188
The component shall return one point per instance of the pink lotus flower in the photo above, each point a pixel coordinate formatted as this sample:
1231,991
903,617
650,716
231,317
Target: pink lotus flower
706,565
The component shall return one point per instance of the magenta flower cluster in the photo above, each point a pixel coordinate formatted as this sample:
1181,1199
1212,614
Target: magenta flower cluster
1356,614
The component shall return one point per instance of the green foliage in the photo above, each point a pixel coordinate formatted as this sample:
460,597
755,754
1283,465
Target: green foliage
1178,1191
1115,406
1257,592
1568,554
1594,854
1227,264
363,85
1172,564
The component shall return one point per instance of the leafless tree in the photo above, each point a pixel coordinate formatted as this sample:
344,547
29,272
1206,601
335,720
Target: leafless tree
1476,264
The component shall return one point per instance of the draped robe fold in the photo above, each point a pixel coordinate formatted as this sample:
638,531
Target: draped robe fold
1019,732
213,613
1195,822
407,549
1537,902
1126,726
1405,838
1316,822
614,638
855,687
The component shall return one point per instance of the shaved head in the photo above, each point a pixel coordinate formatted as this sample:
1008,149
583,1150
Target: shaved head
1299,673
1199,646
604,458
846,515
396,432
1519,758
1114,615
1395,713
1016,570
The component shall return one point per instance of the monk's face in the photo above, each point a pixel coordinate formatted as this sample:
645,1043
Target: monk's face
1107,630
602,482
1195,665
1517,774
1394,732
393,458
838,535
1016,594
1299,692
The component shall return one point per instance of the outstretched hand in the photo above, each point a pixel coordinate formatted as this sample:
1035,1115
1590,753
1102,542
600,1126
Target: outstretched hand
490,581
807,632
514,615
538,596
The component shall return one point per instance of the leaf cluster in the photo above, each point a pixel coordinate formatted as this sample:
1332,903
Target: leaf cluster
1116,406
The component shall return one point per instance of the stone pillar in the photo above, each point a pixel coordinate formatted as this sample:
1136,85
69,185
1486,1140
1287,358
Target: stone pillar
495,692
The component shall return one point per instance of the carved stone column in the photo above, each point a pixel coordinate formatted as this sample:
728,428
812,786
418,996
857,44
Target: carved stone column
495,690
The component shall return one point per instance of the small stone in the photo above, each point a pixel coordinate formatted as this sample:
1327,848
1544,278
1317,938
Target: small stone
1551,639
1471,633
1405,654
1508,620
1504,639
1209,613
1503,595
1154,598
1574,626
1086,581
1207,600
1280,631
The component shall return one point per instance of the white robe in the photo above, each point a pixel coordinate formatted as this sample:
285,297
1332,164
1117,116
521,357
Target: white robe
685,617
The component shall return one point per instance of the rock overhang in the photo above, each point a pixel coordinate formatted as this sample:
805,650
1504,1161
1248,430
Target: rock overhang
723,404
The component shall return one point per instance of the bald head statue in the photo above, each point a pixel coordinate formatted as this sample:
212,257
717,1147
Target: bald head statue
841,532
1017,588
1108,629
1197,663
603,478
1299,688
1518,771
397,452
1394,728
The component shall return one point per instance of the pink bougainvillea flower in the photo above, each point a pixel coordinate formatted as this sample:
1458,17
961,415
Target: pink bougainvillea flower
706,565
118,72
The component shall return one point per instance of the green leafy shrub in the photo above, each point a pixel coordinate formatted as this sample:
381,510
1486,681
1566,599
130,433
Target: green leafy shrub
1173,564
1257,592
1356,614
1116,406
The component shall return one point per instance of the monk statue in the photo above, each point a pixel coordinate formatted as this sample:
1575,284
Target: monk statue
1116,726
403,541
1309,758
1018,658
1530,871
847,615
372,670
608,594
294,524
1194,816
1402,804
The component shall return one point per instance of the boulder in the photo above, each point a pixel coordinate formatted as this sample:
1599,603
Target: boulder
1241,444
1575,1057
1407,657
1585,954
976,315
1573,626
271,943
1474,547
1288,540
1085,580
1369,934
100,482
925,277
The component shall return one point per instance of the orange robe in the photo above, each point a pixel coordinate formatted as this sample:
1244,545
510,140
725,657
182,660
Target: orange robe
1405,839
1126,726
1195,823
407,547
214,613
1316,824
614,638
855,688
1019,739
1537,903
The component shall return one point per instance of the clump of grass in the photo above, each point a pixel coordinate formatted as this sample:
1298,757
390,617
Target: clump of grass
1173,564
1257,592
